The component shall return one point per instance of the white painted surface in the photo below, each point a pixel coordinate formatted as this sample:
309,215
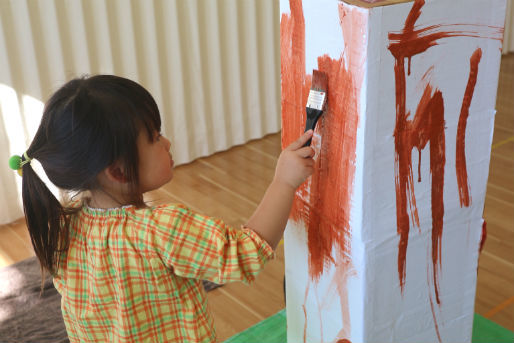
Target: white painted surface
378,311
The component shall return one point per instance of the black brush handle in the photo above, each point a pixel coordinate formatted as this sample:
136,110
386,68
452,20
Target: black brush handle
312,118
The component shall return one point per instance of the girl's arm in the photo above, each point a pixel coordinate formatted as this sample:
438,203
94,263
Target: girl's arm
201,247
294,165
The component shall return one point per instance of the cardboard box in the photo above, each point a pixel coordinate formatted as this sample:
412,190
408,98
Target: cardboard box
383,240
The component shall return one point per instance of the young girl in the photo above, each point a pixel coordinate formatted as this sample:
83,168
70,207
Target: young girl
128,272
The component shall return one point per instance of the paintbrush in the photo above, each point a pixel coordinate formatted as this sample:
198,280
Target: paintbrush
316,100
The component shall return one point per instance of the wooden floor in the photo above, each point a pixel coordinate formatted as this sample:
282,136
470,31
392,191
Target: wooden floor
230,185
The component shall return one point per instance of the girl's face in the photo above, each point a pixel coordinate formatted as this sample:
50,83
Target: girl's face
155,161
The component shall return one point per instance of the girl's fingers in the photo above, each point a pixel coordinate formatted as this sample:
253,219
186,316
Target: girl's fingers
300,141
305,152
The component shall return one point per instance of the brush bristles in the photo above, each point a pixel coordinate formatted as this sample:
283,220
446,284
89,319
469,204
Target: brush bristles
318,93
319,81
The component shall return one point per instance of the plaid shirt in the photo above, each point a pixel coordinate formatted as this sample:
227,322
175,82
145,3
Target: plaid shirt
134,275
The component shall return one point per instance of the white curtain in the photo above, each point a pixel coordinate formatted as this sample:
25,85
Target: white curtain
212,66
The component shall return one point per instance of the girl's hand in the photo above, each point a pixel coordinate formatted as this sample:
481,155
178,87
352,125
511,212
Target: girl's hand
295,163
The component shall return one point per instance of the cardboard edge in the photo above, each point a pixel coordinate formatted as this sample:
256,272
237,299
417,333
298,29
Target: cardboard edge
365,4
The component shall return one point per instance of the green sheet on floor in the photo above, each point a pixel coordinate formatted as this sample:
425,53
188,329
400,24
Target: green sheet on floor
273,330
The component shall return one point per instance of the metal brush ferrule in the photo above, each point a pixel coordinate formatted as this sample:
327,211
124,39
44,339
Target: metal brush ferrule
316,99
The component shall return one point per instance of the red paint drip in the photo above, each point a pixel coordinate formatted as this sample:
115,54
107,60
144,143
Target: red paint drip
484,236
433,314
482,242
460,158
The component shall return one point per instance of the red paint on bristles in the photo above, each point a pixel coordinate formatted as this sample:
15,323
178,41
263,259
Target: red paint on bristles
319,81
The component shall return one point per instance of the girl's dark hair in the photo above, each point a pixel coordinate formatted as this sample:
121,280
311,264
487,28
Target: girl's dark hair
88,124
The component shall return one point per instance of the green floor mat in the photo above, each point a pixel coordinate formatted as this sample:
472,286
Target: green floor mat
486,331
273,330
270,330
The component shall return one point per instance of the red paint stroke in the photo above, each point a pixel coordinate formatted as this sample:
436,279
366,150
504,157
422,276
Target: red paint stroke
323,202
304,307
324,207
460,156
482,242
427,126
433,311
343,271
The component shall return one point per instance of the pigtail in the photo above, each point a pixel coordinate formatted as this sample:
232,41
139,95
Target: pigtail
88,124
46,220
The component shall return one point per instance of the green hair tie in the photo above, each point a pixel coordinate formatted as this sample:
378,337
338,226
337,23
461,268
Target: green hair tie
16,162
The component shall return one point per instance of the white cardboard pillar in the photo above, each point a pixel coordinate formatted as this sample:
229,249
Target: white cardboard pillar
383,241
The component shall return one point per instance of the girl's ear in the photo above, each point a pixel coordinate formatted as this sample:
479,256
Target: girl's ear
114,173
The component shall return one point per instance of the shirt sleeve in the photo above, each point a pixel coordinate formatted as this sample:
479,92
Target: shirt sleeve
202,247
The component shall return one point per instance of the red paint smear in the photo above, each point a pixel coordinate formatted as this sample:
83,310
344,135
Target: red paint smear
427,125
460,158
323,204
482,242
484,236
343,272
305,314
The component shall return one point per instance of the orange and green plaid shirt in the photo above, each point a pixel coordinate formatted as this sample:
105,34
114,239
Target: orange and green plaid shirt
134,275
